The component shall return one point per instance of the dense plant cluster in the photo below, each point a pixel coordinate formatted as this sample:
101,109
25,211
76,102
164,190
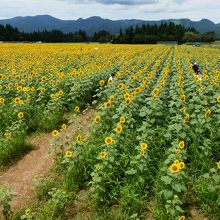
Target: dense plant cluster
154,140
154,137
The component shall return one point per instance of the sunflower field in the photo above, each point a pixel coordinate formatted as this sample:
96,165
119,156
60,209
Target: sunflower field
154,143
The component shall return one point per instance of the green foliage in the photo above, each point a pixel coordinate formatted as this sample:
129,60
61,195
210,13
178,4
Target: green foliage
6,196
207,192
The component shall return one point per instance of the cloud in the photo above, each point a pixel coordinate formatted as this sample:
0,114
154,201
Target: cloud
113,9
113,2
128,2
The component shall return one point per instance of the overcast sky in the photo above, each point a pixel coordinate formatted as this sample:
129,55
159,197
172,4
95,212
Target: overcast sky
113,9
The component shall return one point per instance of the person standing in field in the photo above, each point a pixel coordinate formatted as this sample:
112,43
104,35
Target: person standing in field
111,77
196,70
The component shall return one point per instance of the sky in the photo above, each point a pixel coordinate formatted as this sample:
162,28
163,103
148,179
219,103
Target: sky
113,9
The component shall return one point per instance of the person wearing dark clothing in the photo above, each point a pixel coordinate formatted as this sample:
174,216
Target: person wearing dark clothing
195,68
112,76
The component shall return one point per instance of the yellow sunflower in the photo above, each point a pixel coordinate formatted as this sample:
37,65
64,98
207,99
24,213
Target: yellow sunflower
111,98
155,91
121,85
208,113
109,140
97,119
182,217
55,133
118,129
42,90
142,152
183,98
7,135
174,168
79,138
69,154
128,101
177,162
102,83
20,115
186,119
182,165
108,104
144,146
184,109
181,144
76,109
2,100
122,120
102,155
64,126
27,212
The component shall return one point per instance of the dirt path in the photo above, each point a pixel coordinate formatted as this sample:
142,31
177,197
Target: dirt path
20,176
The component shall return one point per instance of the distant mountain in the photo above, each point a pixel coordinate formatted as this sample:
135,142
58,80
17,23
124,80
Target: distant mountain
95,24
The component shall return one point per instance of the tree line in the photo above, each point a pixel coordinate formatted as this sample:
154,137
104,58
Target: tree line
132,35
163,32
